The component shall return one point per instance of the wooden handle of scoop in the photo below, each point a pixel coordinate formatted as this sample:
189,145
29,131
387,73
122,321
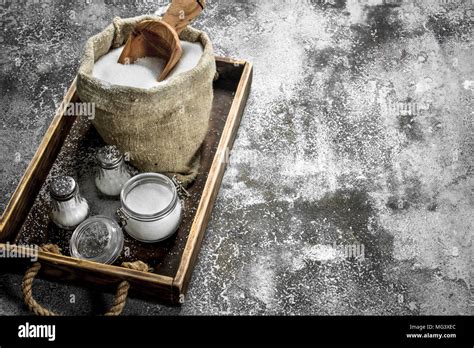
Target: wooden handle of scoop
151,38
182,12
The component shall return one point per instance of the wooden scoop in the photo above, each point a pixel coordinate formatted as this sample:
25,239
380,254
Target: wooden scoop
154,38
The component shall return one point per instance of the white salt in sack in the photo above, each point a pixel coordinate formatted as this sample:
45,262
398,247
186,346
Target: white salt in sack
144,72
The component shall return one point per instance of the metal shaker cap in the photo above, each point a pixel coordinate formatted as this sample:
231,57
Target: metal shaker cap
109,157
63,188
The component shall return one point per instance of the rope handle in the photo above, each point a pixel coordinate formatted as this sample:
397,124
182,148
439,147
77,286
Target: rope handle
120,295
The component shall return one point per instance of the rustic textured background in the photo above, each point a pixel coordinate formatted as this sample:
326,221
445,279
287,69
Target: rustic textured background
358,130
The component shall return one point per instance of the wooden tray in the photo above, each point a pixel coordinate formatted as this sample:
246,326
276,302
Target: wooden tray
68,148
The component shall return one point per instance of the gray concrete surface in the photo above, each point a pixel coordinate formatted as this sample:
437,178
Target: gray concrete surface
358,131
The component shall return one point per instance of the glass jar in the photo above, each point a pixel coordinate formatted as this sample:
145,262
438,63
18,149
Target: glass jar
98,239
150,208
68,207
112,172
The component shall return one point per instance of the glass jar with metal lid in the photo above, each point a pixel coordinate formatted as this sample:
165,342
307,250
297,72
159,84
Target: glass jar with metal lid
150,207
98,239
68,207
112,171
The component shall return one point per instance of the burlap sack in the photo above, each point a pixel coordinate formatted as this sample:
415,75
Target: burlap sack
162,128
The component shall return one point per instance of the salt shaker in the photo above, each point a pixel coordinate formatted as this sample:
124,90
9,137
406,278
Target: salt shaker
69,208
112,172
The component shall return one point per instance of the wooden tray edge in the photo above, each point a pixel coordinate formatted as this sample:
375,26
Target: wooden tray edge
112,270
214,180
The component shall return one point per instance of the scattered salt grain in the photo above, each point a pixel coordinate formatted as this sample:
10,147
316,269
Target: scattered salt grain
144,72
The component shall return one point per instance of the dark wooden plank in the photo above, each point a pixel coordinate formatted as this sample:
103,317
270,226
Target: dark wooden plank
230,72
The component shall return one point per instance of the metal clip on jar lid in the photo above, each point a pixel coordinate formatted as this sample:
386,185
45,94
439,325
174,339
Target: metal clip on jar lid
98,239
109,157
63,188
